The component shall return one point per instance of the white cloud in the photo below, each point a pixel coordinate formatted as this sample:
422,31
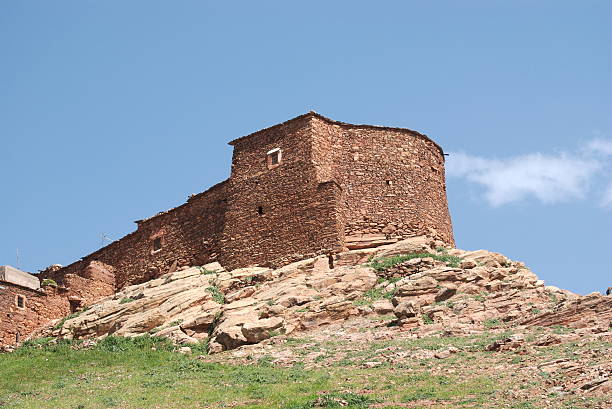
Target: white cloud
548,178
600,146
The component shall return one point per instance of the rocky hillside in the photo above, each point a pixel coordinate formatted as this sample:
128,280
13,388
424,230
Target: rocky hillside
405,291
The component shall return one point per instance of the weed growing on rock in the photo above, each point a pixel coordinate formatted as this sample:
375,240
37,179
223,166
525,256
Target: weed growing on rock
217,295
385,263
126,300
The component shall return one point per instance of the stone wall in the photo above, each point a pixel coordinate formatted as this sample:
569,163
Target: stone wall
393,180
279,213
40,306
188,234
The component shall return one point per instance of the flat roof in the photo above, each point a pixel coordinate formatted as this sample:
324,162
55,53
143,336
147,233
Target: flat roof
346,124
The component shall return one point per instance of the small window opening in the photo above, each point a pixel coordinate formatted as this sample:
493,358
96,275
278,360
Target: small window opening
157,244
274,158
260,211
389,182
20,301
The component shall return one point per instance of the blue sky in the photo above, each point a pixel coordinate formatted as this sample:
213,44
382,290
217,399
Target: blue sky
111,111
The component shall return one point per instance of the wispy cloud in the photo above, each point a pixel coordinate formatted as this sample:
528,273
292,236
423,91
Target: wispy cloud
549,178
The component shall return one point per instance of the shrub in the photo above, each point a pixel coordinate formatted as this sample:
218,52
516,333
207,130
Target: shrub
48,282
126,300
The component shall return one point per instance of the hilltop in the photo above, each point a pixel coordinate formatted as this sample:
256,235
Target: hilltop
409,324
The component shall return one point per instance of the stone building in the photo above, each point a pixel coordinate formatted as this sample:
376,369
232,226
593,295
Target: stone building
307,186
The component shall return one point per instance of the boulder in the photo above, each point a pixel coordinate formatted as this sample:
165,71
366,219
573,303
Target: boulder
259,330
405,309
445,293
383,307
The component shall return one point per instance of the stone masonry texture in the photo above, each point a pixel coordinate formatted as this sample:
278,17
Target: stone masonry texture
335,186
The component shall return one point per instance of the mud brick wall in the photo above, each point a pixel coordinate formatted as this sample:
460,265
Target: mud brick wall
189,235
393,179
39,308
298,215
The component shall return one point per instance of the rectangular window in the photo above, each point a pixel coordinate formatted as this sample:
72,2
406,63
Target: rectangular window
20,301
157,244
274,158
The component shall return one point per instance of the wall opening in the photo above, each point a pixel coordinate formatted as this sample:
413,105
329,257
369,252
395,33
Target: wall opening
157,244
330,261
20,301
75,305
260,210
274,158
389,182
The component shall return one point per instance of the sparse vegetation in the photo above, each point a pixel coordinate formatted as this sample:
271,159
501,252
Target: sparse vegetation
126,300
492,323
48,282
385,263
146,372
66,318
372,295
217,295
205,271
427,319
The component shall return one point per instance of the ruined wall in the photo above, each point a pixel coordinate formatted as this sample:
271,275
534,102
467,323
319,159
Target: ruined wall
40,306
278,214
393,180
189,235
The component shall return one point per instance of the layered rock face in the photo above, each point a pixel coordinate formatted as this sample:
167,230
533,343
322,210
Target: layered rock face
427,290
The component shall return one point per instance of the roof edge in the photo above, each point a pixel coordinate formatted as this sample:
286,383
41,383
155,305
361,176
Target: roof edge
340,123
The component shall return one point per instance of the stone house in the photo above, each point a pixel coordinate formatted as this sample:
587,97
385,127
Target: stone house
305,187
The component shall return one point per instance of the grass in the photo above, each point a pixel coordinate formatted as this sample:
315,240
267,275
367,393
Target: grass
372,295
126,300
145,372
492,323
385,263
66,318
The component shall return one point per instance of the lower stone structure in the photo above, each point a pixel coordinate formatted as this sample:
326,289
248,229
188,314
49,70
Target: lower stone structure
26,308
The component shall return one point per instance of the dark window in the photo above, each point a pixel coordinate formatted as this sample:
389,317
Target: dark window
389,182
274,158
260,211
157,244
20,301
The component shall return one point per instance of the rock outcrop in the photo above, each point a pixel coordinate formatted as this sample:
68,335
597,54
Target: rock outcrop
422,289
